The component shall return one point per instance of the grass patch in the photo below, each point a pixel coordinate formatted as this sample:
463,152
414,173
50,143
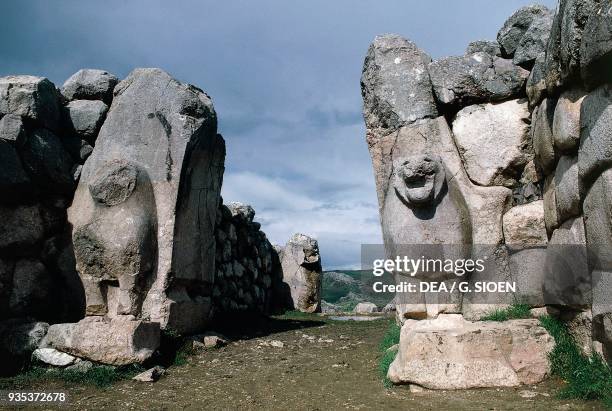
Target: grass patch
99,376
514,312
298,315
587,377
391,338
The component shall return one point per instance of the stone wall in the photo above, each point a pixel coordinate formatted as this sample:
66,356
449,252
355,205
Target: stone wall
113,219
504,151
46,135
249,276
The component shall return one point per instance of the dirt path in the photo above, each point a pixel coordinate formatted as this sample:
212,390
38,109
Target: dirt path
323,365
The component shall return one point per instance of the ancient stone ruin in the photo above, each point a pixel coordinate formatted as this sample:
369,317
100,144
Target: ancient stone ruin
114,228
503,154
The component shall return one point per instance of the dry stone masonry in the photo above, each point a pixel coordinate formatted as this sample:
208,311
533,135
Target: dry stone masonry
114,229
503,153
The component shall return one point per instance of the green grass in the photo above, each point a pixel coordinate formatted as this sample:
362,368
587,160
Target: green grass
514,312
298,315
100,376
587,377
391,338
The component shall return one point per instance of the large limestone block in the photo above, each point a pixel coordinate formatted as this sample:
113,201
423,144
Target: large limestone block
451,353
542,136
524,225
476,78
35,98
116,341
596,45
493,141
595,154
567,188
515,28
395,83
302,272
90,84
598,225
566,123
151,186
85,117
551,218
567,278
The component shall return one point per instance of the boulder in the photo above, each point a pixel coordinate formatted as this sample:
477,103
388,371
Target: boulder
214,340
567,277
12,130
395,84
536,83
14,182
452,353
595,154
47,163
563,49
35,98
302,272
481,130
23,228
534,41
476,78
158,163
21,337
524,225
598,226
32,291
551,218
150,375
365,308
542,136
520,23
596,45
492,48
85,117
53,357
90,84
114,341
566,123
527,270
242,211
567,188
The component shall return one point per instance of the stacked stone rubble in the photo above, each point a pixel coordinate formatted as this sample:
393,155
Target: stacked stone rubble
248,272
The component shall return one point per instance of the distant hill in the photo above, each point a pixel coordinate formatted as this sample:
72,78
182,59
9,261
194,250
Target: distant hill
347,288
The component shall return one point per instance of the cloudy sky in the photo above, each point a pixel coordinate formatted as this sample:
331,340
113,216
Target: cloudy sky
284,77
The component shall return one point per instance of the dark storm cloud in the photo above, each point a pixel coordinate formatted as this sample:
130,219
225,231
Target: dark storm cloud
284,76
